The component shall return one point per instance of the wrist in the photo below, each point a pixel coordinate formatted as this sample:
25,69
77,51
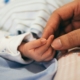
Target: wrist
21,48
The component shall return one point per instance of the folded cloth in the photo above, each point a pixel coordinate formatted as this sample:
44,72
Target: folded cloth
34,71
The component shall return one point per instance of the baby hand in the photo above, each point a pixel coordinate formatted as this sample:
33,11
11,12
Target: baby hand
38,50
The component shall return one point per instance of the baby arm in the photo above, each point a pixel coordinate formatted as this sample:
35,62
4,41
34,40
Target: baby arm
38,50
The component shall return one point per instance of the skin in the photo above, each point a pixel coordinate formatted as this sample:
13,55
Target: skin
64,24
38,50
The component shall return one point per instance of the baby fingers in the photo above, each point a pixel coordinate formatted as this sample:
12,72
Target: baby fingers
36,43
45,47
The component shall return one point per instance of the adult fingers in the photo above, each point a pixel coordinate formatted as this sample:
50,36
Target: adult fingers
62,14
67,41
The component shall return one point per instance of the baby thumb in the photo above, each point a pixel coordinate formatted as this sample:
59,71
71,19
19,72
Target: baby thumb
67,41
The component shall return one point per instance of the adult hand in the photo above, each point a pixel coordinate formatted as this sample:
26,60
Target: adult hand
62,21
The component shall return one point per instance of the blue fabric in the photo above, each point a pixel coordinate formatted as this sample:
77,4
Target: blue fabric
6,1
34,71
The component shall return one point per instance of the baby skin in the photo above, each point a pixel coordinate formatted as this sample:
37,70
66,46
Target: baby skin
38,50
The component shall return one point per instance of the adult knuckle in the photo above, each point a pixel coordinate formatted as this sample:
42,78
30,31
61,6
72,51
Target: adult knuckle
74,38
70,38
77,37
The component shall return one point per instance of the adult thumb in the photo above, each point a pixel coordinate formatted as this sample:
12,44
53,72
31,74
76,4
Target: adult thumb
67,41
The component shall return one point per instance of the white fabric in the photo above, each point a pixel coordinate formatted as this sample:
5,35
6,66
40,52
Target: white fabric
9,45
27,16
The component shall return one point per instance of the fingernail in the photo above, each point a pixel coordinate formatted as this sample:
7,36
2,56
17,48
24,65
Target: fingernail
43,40
57,44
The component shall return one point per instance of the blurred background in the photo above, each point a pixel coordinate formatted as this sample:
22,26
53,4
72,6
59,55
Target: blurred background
4,2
